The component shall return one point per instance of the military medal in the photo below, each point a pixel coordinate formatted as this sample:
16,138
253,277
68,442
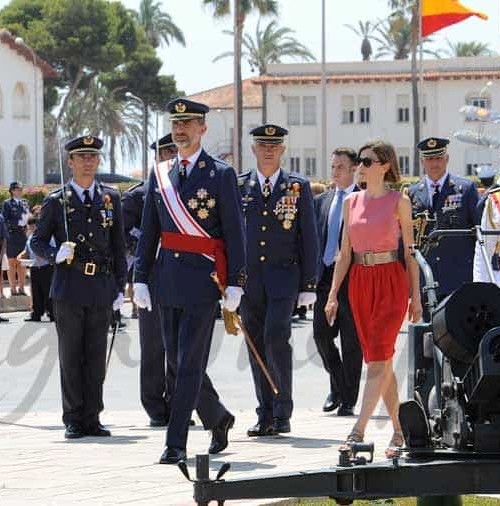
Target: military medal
286,207
193,204
495,262
203,202
108,211
203,213
287,224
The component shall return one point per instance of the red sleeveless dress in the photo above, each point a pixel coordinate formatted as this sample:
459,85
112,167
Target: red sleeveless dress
378,294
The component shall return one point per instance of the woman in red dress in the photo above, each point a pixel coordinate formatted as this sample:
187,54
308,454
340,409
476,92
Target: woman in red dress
379,285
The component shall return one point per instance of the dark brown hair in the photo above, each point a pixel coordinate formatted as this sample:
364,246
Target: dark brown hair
386,154
349,152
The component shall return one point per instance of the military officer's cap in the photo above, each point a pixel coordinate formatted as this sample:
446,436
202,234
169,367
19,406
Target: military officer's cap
84,144
269,134
164,143
485,171
433,147
15,185
183,109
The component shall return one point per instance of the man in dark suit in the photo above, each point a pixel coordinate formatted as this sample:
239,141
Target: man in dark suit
282,255
345,371
193,210
452,201
85,220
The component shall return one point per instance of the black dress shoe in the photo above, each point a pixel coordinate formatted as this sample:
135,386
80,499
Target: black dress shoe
4,320
33,319
158,422
172,455
219,434
97,430
345,410
281,425
74,431
331,404
261,429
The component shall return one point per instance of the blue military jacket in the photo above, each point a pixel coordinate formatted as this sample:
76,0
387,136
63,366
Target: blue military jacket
13,211
210,194
451,261
132,206
282,242
98,233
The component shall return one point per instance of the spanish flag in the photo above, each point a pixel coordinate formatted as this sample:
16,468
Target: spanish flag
437,14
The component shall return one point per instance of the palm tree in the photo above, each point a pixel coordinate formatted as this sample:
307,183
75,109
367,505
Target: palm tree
157,24
472,48
104,114
241,9
269,45
364,31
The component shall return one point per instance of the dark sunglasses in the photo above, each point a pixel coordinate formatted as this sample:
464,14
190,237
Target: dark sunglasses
367,161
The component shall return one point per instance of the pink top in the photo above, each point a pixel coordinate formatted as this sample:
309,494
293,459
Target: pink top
373,222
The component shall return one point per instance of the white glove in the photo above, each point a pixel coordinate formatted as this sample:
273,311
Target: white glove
232,298
118,302
24,220
306,299
141,296
65,252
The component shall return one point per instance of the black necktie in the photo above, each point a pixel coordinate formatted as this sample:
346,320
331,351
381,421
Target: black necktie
435,196
266,188
87,201
183,172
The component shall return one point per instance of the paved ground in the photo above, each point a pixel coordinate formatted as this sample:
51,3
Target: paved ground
38,467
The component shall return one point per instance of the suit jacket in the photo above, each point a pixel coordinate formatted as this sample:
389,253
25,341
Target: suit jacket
210,194
99,238
282,243
322,204
451,261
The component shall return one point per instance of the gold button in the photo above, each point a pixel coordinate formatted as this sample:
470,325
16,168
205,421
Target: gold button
89,220
264,213
262,258
263,228
91,249
262,243
90,234
176,255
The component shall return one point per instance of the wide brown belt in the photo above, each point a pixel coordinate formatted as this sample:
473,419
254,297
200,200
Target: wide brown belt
370,258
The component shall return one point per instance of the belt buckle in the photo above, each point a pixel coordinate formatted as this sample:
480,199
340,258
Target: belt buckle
369,258
89,269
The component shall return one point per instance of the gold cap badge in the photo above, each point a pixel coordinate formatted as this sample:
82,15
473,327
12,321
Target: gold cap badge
431,143
88,140
270,131
180,107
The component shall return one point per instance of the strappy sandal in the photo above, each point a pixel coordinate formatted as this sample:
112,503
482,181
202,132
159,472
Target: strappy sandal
395,444
354,437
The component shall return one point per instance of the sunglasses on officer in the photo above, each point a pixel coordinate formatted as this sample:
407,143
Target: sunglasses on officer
367,161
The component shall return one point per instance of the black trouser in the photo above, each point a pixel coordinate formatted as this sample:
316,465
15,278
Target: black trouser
155,385
345,371
269,323
187,334
82,336
40,287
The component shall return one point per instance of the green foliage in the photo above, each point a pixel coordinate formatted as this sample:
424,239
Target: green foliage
471,48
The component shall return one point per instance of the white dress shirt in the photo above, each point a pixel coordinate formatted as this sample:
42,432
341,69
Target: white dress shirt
191,159
79,190
272,179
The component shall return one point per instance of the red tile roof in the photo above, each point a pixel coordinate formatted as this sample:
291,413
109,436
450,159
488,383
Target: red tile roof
7,38
377,77
222,97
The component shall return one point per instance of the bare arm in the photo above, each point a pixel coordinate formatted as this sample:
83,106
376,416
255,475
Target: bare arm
405,220
341,268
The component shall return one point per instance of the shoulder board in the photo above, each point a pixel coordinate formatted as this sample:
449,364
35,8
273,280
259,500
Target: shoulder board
297,177
54,193
134,187
243,177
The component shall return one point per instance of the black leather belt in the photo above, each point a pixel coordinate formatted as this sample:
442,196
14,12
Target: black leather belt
91,268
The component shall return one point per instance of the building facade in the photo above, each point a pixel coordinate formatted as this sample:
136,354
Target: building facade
21,111
364,101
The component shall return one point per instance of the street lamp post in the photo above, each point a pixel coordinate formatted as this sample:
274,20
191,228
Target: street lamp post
20,42
144,134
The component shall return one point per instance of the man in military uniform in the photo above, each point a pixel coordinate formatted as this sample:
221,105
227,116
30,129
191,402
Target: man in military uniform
156,383
450,200
192,208
282,252
486,174
344,369
85,220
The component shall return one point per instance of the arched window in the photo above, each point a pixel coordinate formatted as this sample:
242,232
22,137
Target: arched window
21,101
2,170
21,164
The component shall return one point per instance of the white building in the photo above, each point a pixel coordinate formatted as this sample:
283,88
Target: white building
21,111
365,100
